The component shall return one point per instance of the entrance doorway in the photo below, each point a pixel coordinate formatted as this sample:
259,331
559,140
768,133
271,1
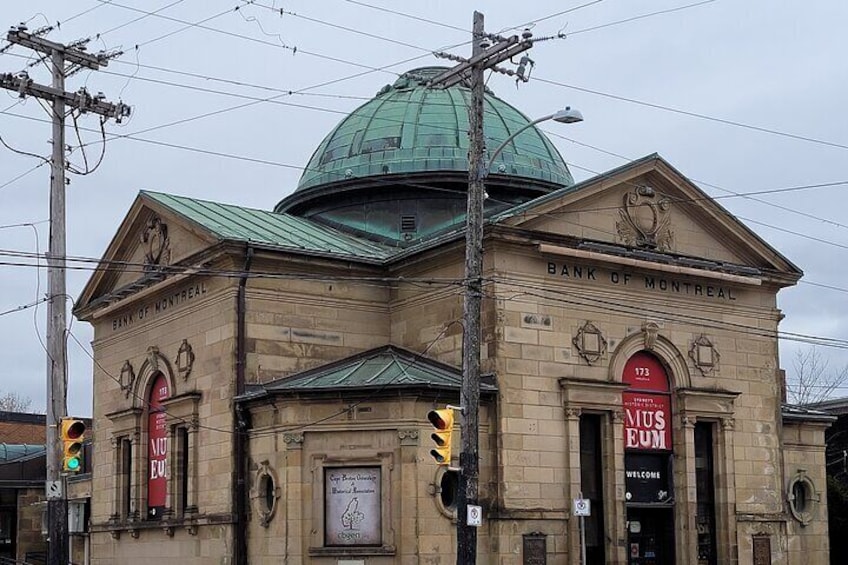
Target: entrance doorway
650,536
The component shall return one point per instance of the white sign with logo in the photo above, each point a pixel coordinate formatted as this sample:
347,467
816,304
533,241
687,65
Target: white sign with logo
582,507
475,516
353,508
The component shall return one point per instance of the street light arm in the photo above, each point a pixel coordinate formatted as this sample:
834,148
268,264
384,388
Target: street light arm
515,134
565,116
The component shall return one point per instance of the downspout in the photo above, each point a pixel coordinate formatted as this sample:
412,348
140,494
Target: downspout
240,422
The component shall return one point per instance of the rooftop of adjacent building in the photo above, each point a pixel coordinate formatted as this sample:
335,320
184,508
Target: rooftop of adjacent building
22,428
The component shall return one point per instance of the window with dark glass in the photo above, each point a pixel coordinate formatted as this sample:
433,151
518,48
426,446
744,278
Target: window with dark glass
181,485
125,477
8,526
591,484
705,493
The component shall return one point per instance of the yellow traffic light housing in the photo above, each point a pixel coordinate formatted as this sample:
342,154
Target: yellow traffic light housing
442,421
72,432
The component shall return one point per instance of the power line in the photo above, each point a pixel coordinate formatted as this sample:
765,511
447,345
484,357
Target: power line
282,12
555,15
692,114
410,16
745,195
250,39
297,167
24,306
627,307
23,174
146,404
134,20
641,17
302,168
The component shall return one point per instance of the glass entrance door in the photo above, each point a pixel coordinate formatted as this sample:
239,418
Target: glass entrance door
650,536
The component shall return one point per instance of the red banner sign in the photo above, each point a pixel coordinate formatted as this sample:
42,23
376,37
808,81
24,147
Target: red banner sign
157,449
647,421
643,371
647,415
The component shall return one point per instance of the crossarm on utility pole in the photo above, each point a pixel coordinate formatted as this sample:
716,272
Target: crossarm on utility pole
70,55
489,58
81,99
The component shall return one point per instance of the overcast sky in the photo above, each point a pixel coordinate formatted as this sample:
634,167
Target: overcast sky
773,65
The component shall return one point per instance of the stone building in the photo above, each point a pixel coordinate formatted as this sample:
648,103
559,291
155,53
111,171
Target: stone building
262,377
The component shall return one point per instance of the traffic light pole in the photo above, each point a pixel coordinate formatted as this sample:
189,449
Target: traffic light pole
57,368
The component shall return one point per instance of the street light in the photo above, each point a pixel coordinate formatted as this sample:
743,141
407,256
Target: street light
566,116
478,170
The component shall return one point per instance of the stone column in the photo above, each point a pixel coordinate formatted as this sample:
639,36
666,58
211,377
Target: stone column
725,487
616,508
686,492
409,491
572,431
138,478
297,509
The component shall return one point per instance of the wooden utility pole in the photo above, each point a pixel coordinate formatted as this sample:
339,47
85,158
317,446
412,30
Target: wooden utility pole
57,368
483,57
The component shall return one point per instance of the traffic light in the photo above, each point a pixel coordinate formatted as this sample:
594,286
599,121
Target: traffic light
442,421
72,431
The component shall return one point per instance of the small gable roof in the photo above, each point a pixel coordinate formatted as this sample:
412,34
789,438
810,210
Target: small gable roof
376,370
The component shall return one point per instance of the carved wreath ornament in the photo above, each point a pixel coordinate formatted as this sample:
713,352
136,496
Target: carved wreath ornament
645,219
157,246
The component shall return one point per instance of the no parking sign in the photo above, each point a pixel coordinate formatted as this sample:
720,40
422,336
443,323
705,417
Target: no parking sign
582,507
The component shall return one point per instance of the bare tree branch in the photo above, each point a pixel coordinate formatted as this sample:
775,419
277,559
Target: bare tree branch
812,381
14,402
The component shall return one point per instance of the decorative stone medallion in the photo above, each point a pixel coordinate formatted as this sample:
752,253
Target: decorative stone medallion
185,359
590,343
704,354
127,378
645,219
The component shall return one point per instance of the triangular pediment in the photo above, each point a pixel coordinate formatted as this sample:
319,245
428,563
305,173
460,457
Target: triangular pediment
150,238
649,207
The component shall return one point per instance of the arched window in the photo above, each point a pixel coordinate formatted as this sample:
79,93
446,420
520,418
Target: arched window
157,448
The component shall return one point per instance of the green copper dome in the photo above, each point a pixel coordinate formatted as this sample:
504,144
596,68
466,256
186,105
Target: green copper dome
395,171
409,129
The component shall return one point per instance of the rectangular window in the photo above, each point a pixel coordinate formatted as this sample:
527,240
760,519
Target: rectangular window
353,506
125,478
591,484
705,493
181,486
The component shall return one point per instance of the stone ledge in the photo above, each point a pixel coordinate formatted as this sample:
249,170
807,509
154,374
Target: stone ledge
352,551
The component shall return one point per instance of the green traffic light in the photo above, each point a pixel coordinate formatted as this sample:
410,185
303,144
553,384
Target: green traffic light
72,464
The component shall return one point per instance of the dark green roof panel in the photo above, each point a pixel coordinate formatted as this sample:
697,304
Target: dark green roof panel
284,231
378,369
410,128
